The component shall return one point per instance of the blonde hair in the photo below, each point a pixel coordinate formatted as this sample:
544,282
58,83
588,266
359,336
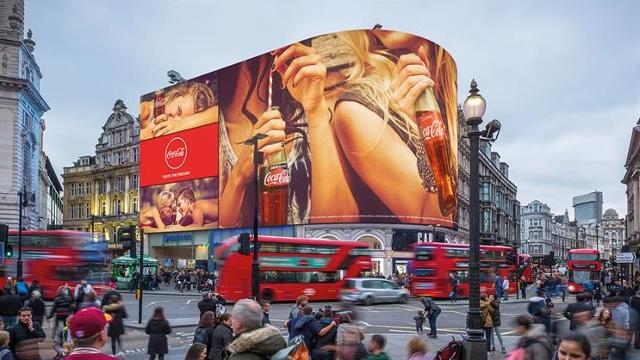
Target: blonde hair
164,197
202,95
4,338
416,345
371,75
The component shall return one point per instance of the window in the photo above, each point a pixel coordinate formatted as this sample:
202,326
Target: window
120,183
118,157
498,199
74,211
297,249
121,137
104,208
299,276
486,220
87,188
117,207
134,204
485,190
134,181
102,186
136,154
87,210
464,253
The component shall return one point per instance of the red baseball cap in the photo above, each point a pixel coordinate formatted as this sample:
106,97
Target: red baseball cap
88,322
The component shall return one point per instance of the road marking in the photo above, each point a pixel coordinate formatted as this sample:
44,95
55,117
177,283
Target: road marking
189,301
151,303
403,331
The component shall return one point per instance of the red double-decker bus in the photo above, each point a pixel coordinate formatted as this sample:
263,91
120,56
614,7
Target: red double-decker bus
525,268
58,257
429,271
584,267
290,267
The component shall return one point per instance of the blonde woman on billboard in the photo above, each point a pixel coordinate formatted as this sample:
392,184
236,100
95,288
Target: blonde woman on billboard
366,151
163,214
187,106
243,113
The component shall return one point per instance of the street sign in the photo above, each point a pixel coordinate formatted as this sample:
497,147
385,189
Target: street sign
626,258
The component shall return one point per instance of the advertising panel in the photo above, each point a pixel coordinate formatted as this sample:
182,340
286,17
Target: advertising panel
354,127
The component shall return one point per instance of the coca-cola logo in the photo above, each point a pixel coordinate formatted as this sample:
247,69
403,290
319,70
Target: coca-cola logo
175,154
436,130
276,177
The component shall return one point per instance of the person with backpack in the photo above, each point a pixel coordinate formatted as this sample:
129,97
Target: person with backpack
22,290
203,332
157,328
5,352
533,343
221,337
62,307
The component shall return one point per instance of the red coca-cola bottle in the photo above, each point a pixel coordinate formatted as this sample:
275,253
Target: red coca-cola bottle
274,188
433,132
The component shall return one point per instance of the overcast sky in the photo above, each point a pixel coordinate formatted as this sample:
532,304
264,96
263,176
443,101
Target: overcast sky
563,77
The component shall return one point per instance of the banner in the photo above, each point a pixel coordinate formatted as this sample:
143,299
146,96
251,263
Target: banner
355,127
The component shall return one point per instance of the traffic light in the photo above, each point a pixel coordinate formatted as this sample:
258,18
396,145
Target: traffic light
245,247
4,238
128,234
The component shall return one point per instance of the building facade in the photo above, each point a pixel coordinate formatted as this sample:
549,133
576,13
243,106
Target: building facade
632,181
587,208
499,207
101,190
613,234
21,124
462,235
50,199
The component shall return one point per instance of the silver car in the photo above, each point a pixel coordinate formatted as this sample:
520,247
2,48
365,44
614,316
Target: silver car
369,291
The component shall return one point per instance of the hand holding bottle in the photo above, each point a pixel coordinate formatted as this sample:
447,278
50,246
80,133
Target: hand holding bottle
411,79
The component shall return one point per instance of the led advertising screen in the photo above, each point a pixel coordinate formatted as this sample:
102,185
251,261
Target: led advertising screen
353,127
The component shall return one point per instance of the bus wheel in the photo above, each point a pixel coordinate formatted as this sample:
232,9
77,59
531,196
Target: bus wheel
267,294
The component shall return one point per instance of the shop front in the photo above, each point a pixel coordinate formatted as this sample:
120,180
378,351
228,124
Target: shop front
183,250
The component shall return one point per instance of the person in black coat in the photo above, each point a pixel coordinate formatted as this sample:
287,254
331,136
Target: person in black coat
220,338
432,311
210,302
25,336
62,306
10,303
115,307
157,328
37,305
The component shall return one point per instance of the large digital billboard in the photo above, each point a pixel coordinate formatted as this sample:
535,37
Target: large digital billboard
355,127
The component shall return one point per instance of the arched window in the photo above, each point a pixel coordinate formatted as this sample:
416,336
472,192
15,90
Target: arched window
373,241
329,237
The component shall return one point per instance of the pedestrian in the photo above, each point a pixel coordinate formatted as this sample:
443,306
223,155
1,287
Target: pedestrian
22,290
533,340
197,351
574,346
419,320
594,331
62,307
115,308
496,318
309,328
634,303
349,340
87,328
579,306
417,349
322,350
376,348
5,352
497,284
10,303
433,311
35,286
63,343
266,306
301,302
205,327
25,336
80,291
540,309
487,321
221,337
454,282
597,293
619,329
523,287
157,328
90,300
251,341
505,288
37,305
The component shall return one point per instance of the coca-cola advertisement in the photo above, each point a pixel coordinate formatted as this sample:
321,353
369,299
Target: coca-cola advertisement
187,205
365,123
357,126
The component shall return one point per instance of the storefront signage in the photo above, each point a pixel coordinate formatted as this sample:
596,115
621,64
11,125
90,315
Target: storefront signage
122,245
176,238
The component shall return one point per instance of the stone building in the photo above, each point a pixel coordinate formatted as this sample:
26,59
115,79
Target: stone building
21,123
613,234
632,181
101,190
